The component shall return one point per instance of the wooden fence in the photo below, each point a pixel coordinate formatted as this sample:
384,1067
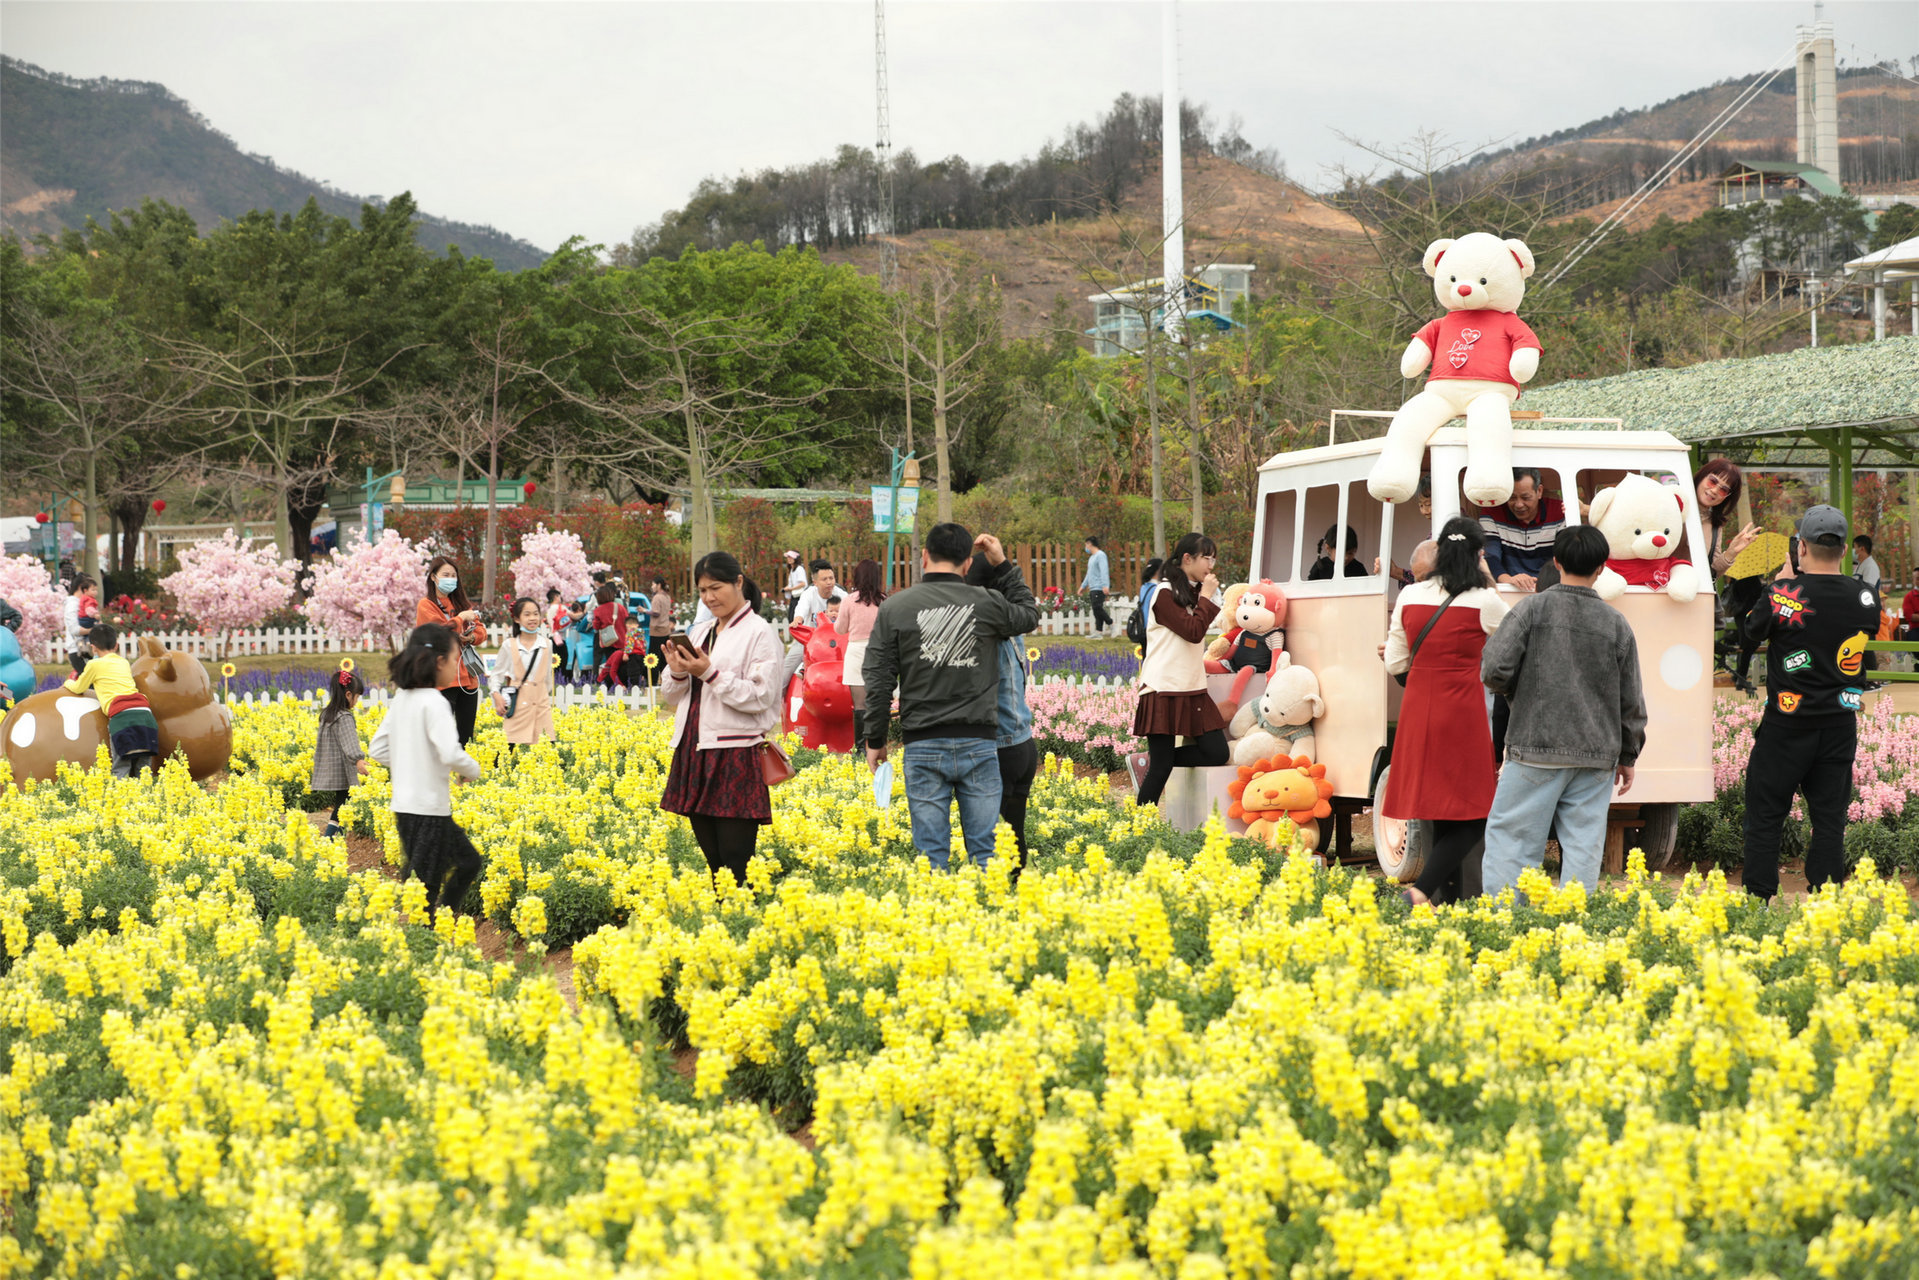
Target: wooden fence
1044,565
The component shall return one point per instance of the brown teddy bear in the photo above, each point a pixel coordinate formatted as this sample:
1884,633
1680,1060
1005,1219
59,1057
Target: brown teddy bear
47,728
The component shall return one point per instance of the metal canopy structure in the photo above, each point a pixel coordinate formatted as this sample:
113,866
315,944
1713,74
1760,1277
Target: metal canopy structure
1850,406
1889,266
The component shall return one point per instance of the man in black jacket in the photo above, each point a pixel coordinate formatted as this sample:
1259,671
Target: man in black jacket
938,641
1815,621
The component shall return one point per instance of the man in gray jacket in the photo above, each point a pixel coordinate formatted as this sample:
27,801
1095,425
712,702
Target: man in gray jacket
1568,662
939,641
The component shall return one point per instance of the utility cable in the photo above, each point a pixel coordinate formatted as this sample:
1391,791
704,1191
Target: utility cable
1660,176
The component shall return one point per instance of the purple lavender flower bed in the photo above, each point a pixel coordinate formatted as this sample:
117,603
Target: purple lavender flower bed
299,680
1086,663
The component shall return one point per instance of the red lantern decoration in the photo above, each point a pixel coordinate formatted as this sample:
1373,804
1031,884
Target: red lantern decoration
41,517
159,505
528,488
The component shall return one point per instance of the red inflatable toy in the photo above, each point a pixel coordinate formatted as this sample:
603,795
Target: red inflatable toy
818,705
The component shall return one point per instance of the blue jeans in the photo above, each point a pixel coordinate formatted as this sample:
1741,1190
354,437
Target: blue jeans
937,771
1529,803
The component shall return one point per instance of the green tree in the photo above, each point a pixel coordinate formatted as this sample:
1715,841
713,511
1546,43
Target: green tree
948,328
86,388
723,366
1900,222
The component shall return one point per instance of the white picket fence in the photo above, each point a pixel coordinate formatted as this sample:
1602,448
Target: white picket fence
264,642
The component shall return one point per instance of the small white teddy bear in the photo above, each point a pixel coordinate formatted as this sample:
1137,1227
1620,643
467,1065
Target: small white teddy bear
1480,353
1280,721
1643,520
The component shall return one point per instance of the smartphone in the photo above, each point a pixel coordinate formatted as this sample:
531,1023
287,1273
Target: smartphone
680,641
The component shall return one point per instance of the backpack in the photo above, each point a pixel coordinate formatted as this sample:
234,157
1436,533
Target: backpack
1136,623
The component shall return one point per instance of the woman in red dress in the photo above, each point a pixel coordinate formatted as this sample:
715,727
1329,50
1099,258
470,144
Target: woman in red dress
1443,752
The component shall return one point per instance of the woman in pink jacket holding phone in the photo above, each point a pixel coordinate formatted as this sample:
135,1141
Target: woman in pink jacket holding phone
723,684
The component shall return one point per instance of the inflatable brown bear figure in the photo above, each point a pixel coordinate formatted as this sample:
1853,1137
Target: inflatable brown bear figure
49,727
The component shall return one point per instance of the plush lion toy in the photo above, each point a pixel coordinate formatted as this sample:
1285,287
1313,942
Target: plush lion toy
1282,787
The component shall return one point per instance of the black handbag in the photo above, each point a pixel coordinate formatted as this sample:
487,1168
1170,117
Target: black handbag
1420,639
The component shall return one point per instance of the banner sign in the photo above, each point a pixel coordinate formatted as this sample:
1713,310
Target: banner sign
883,509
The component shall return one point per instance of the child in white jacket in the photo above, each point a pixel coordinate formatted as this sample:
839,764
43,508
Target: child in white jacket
420,744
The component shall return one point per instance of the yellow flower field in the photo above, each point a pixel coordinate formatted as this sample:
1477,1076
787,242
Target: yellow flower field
1153,1054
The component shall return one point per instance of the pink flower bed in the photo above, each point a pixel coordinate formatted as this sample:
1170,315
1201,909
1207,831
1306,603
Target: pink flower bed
1885,772
1083,723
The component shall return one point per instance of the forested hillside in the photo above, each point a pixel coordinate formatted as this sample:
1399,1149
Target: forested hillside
70,150
1607,158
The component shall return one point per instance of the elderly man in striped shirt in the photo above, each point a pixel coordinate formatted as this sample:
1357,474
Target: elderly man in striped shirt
1519,535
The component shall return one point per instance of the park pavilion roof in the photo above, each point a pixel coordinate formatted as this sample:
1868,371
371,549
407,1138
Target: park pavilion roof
1791,397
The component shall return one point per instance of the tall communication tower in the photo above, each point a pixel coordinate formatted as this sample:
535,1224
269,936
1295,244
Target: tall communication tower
1172,176
883,149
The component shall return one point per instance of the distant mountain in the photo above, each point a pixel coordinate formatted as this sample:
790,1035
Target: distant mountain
1607,158
70,149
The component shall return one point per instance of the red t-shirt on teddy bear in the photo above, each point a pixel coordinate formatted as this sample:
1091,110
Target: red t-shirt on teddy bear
1644,573
1476,344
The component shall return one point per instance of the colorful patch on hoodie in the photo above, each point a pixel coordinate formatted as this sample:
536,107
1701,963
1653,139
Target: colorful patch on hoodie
1789,606
1852,654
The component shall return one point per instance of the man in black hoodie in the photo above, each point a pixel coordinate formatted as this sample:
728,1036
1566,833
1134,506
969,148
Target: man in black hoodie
938,641
1815,621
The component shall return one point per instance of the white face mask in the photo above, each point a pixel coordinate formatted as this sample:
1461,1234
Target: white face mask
448,585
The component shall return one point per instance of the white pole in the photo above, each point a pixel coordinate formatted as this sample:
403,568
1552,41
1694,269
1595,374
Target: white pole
1814,287
1879,305
1172,198
1912,310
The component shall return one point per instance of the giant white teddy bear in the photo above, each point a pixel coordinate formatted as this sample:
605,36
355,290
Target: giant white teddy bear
1480,353
1642,520
1280,721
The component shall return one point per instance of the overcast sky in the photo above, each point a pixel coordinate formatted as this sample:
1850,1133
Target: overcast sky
553,119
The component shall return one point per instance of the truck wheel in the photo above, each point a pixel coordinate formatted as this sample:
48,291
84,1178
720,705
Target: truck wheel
1659,836
1402,845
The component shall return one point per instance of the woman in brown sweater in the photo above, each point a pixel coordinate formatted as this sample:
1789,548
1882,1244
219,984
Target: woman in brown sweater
445,604
1173,702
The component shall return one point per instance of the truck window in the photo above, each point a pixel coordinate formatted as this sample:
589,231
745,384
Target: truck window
1592,481
1278,551
1342,550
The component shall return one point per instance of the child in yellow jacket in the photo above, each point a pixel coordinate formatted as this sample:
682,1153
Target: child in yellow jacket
133,735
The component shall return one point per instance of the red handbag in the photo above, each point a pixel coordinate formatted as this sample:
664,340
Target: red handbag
774,766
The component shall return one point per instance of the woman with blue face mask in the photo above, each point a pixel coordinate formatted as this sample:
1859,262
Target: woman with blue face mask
446,605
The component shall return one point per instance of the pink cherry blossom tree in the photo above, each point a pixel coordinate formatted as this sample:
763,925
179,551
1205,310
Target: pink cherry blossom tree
368,589
227,583
26,585
547,560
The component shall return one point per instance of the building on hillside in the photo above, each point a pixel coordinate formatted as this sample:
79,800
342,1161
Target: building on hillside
1773,181
1120,315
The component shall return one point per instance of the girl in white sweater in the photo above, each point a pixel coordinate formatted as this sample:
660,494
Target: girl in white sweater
419,742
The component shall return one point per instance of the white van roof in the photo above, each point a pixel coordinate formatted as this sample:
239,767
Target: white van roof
1523,441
